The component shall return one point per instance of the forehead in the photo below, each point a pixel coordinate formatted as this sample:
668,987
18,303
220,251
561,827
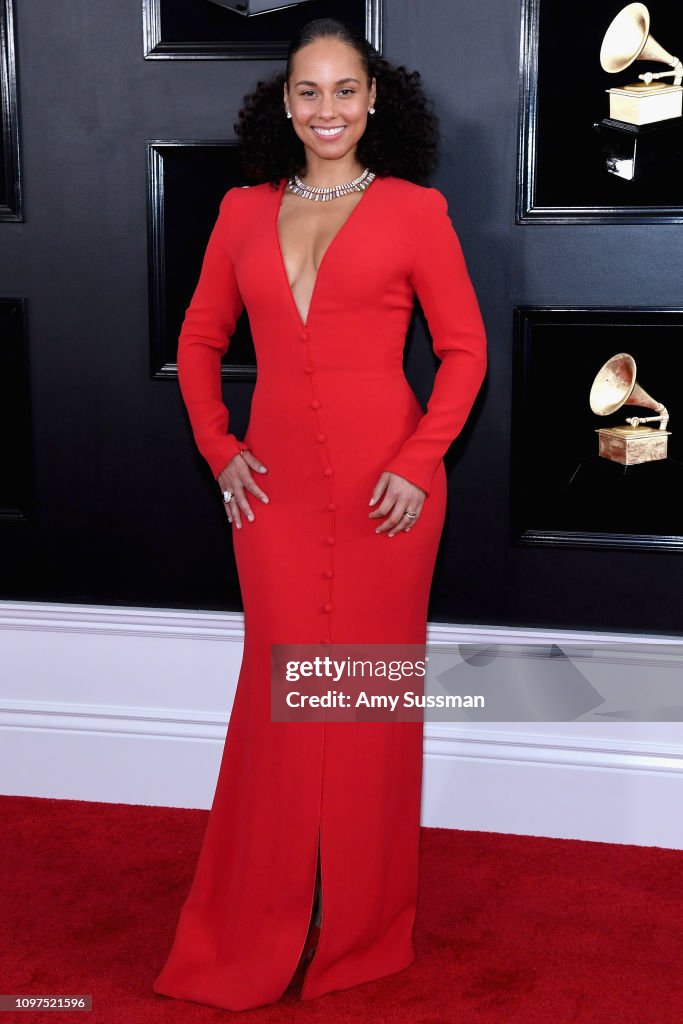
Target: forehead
326,59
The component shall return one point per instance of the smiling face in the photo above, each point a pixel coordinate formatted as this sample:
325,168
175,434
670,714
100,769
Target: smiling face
328,98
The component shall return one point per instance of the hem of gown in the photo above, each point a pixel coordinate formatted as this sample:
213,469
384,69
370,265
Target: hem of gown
318,989
306,993
201,1000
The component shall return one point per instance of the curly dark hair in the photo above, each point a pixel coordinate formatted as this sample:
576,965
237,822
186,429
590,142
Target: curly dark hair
400,139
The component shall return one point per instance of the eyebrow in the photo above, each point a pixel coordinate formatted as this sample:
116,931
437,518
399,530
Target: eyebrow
338,82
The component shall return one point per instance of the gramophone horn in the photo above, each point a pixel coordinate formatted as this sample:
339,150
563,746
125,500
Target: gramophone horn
628,39
615,385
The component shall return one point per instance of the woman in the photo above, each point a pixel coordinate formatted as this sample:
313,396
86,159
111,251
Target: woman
337,493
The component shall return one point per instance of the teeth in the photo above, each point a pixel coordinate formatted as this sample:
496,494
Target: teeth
329,131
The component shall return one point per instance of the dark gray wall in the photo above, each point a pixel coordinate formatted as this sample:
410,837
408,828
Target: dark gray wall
125,512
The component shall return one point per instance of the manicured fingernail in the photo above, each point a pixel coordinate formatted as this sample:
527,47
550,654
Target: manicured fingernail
372,501
265,500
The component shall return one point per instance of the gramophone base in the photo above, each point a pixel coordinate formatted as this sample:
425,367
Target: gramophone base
631,446
605,497
647,104
642,152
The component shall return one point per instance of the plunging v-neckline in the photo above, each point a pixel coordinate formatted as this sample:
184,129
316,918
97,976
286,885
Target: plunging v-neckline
278,207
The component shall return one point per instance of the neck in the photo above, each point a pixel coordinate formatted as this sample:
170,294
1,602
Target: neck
324,173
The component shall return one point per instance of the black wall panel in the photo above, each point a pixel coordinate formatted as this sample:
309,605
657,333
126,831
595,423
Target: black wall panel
125,510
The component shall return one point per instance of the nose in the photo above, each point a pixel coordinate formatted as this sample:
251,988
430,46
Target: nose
327,107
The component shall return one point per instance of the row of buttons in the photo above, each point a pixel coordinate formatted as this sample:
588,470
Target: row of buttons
328,472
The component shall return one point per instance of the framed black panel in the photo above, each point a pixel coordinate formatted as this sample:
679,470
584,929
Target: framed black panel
10,178
204,30
564,148
16,450
563,492
186,181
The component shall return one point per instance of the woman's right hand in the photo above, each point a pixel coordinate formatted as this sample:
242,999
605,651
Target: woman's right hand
236,477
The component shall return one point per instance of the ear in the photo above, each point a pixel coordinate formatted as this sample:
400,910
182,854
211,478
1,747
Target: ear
373,92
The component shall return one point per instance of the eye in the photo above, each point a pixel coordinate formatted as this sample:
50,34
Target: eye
347,90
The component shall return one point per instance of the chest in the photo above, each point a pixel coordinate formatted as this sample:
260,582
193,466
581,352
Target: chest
353,256
307,229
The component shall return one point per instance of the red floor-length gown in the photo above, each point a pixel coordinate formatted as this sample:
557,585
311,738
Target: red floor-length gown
331,410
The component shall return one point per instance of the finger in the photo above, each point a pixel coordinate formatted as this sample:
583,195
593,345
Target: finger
243,506
249,484
393,523
411,520
232,507
227,505
395,516
385,507
239,468
252,461
379,488
405,524
234,514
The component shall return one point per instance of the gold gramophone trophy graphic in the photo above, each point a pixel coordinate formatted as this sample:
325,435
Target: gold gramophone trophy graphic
615,385
642,134
626,491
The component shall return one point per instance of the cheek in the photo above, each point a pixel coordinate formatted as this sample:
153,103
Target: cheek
301,111
359,111
357,126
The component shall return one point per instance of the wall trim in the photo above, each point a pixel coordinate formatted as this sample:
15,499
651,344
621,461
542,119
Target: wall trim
109,716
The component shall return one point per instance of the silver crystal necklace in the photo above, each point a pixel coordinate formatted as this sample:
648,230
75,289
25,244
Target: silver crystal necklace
321,194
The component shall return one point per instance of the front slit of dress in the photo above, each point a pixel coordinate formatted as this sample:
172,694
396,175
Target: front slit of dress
318,871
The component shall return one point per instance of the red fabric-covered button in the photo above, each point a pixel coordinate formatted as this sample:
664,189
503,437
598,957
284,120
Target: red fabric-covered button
331,507
325,641
330,540
320,438
327,607
327,471
315,404
328,574
308,369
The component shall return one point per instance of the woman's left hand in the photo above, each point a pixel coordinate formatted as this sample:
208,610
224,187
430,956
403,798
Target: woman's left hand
401,496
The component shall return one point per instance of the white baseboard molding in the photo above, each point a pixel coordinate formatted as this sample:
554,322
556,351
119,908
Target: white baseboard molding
131,705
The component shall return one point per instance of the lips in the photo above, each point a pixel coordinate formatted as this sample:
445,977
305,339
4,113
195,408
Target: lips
328,133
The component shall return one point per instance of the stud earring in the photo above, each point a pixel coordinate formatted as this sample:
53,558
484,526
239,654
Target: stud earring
371,110
288,114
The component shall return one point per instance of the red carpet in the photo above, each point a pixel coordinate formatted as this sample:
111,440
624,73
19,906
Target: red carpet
510,929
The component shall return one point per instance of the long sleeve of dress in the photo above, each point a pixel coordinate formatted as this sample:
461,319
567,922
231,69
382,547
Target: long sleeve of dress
209,323
443,286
